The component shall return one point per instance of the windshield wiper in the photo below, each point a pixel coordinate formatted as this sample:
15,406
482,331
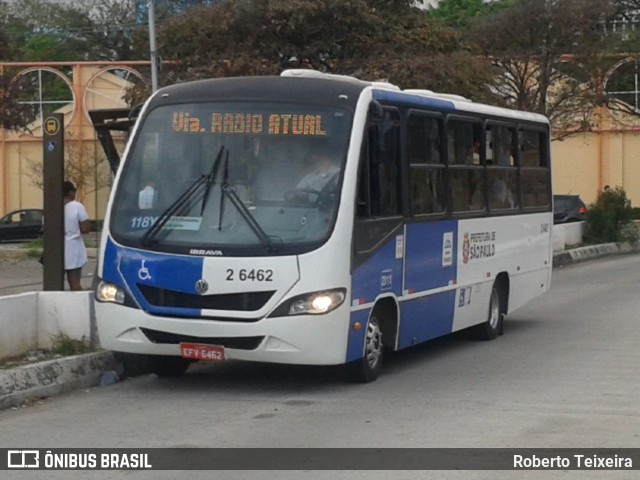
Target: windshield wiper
185,201
225,181
211,178
230,192
227,190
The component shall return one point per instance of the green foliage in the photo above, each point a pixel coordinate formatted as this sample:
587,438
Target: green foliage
460,13
524,44
45,48
609,218
65,345
372,40
34,248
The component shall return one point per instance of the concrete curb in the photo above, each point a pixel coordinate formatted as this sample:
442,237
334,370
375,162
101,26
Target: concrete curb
52,377
582,254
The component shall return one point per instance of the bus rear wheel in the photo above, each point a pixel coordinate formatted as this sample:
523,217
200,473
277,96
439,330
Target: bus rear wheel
368,368
166,366
490,329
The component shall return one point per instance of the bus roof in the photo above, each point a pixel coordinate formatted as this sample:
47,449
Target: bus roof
312,86
422,97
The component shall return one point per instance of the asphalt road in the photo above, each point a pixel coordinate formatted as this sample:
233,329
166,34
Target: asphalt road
565,374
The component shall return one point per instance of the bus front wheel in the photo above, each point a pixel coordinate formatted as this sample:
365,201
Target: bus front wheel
495,318
368,367
165,366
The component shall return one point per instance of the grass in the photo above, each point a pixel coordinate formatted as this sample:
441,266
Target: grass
66,346
34,248
61,346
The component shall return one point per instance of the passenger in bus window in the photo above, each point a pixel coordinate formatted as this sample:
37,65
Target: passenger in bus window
499,193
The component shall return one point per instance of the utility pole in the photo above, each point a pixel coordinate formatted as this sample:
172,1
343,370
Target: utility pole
152,45
53,173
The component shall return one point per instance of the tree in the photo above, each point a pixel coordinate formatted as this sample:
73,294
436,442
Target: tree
87,170
80,30
548,54
459,13
14,115
370,39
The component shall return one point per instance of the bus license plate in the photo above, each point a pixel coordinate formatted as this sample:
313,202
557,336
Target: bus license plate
199,351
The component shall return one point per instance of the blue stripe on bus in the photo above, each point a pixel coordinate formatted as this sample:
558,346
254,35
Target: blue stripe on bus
168,272
425,252
110,264
408,99
425,318
429,257
380,274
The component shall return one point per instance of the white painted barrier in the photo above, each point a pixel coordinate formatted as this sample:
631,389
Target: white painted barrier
18,324
30,321
63,313
567,234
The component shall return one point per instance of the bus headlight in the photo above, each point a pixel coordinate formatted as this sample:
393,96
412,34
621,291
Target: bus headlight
108,292
314,303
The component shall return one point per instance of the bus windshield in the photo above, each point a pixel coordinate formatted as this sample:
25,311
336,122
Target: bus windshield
232,177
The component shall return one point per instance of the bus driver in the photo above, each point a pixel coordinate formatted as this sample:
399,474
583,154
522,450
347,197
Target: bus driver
311,185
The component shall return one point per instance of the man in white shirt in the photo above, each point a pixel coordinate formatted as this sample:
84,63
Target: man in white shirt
76,223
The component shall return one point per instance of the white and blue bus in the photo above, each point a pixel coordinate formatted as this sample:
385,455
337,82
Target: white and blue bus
320,220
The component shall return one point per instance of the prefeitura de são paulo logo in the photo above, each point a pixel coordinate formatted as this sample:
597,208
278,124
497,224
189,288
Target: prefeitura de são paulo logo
466,243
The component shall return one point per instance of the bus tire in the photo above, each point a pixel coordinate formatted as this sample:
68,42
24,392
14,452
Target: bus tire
490,329
166,366
368,368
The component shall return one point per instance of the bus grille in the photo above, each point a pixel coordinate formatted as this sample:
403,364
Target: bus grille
244,302
237,343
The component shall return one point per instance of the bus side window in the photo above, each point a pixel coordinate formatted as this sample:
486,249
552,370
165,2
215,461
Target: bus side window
426,170
379,183
466,174
534,170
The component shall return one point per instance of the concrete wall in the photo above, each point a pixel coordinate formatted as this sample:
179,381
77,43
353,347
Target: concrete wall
583,164
66,313
567,235
18,324
33,320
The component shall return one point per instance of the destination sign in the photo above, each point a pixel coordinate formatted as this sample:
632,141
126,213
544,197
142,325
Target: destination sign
251,123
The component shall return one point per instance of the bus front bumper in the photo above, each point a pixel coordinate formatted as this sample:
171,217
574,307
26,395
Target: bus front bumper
303,339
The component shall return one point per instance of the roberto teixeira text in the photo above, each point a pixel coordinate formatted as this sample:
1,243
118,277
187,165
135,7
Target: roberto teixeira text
595,461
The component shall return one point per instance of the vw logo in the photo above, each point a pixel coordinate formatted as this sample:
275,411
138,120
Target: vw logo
202,286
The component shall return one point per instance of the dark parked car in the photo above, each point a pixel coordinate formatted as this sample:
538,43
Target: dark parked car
23,224
568,208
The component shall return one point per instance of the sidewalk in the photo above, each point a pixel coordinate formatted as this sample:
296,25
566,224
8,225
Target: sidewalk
20,273
44,379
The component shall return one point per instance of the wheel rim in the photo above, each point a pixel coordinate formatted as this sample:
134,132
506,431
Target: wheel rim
373,343
494,309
